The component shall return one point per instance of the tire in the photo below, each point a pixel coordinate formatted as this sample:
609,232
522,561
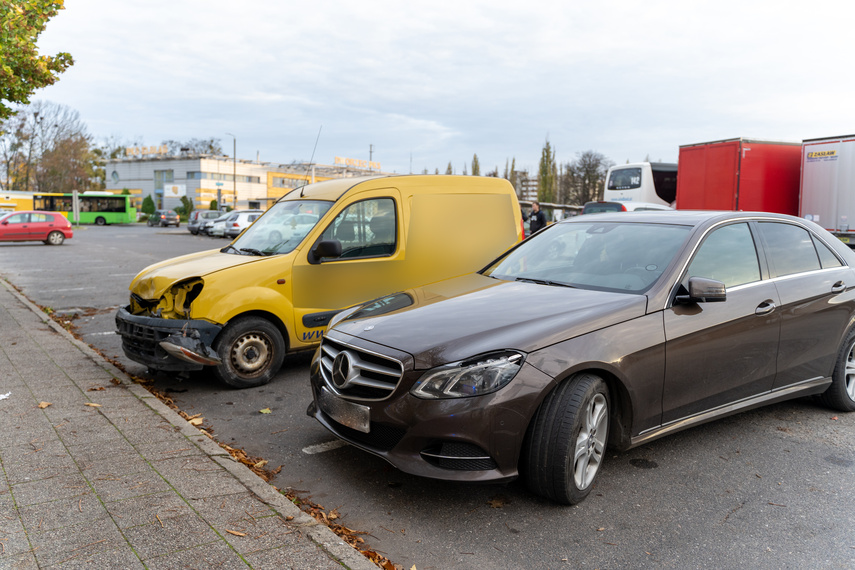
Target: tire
55,238
252,351
566,442
100,221
840,395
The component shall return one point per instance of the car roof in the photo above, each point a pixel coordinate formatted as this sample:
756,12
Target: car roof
681,217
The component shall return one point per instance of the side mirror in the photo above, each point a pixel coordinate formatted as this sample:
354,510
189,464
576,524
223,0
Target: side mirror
326,248
702,290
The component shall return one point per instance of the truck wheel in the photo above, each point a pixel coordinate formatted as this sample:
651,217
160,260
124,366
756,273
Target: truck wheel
840,395
566,443
252,351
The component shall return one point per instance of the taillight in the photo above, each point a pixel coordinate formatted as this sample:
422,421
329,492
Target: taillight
235,225
622,208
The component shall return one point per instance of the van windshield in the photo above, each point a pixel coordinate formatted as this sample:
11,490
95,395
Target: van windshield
280,229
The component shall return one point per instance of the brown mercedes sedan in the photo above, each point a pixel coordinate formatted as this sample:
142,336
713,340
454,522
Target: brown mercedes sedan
607,330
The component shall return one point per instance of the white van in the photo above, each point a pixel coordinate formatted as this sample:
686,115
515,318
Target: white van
652,182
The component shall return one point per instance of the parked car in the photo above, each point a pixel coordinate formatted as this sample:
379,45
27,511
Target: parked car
239,221
598,207
600,331
198,218
33,225
207,227
333,244
164,218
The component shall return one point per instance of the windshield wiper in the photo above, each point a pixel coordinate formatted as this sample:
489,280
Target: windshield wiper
253,251
228,247
544,282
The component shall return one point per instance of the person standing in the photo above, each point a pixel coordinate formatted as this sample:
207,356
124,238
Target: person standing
538,218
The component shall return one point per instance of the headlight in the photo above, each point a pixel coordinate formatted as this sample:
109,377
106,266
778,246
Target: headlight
474,377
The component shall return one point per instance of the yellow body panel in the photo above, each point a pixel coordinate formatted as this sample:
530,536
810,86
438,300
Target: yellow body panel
444,226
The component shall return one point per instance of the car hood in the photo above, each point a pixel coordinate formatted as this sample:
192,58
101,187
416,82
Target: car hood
459,318
151,282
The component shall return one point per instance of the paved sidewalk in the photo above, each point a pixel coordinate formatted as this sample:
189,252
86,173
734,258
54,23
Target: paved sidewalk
107,476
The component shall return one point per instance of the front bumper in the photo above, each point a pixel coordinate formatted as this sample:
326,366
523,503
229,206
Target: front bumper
141,337
477,439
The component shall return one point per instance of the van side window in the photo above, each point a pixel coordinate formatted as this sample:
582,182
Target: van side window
365,229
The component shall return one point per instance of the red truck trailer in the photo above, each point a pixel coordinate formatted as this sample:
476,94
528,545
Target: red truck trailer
739,174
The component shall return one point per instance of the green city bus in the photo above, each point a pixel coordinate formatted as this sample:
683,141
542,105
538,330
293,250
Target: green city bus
99,208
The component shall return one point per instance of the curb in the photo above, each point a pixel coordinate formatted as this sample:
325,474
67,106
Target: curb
326,539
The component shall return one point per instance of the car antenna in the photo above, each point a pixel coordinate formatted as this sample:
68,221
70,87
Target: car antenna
311,160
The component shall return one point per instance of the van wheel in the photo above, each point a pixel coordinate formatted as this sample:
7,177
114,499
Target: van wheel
55,238
566,443
252,351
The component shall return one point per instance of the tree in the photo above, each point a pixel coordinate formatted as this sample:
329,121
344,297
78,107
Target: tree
212,205
45,148
584,178
186,205
148,205
194,146
476,166
547,174
449,170
22,68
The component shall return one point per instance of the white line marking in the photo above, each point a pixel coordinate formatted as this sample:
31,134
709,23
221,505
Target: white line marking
71,289
324,447
101,333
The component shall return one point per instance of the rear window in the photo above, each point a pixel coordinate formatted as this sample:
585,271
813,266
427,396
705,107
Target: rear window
625,179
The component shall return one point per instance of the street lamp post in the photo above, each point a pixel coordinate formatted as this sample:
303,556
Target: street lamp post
234,171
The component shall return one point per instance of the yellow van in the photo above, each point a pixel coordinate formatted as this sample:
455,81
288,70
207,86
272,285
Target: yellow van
317,250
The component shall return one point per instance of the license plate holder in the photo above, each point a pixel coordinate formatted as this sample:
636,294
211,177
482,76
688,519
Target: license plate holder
349,414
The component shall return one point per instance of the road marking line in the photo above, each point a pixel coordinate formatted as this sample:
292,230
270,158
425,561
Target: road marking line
324,447
101,333
71,289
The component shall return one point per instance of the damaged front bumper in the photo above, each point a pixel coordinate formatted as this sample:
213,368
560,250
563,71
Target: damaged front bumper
171,345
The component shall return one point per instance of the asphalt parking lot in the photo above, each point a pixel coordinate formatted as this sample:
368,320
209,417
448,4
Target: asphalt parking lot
767,489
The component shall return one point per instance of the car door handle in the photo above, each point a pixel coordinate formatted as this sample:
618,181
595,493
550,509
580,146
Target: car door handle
838,287
764,308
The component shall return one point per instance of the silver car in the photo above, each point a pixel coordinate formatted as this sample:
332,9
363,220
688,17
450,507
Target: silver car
239,221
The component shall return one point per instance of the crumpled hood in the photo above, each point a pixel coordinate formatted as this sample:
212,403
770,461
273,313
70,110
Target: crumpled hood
151,282
466,316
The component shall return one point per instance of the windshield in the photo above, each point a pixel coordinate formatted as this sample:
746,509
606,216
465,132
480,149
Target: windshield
610,256
281,228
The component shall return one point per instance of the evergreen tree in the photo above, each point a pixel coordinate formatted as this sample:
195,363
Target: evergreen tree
148,205
449,170
547,174
476,166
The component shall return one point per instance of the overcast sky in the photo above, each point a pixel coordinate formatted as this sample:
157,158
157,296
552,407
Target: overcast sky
431,83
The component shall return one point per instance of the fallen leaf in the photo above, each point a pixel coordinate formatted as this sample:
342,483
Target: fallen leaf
98,389
601,529
260,464
43,405
196,421
91,405
193,417
236,533
265,411
497,502
834,418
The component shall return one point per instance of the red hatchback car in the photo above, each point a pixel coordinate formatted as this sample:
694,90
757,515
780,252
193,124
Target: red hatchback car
50,227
